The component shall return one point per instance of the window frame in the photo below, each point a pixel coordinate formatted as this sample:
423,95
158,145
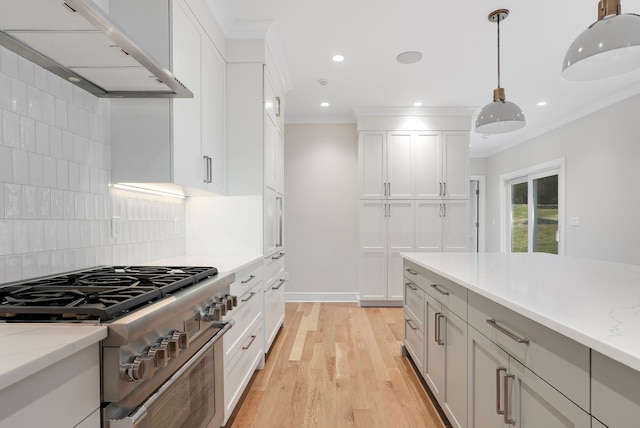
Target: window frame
546,169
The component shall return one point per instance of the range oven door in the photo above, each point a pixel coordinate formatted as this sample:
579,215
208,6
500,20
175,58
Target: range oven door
192,397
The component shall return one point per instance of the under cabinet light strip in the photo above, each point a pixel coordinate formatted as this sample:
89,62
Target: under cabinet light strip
145,190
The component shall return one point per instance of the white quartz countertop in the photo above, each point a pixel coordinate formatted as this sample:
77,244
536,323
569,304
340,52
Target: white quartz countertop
26,349
593,302
226,263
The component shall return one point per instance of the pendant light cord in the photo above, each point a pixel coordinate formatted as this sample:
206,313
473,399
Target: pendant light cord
498,50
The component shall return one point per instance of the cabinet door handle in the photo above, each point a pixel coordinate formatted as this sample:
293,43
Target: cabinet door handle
280,284
384,188
205,170
389,205
498,370
440,210
493,323
440,191
278,102
444,209
440,289
253,338
249,278
444,192
438,326
248,298
210,169
279,256
507,419
411,286
389,184
411,324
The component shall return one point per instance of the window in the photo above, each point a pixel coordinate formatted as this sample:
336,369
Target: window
534,200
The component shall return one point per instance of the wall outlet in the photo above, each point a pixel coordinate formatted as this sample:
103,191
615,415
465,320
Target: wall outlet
574,221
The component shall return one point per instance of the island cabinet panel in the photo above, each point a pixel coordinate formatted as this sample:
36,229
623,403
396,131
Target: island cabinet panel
615,392
557,359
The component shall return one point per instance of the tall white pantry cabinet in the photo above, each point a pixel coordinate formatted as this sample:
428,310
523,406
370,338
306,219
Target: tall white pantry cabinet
414,196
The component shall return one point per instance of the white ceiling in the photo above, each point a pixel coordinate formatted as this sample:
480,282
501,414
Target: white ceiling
459,67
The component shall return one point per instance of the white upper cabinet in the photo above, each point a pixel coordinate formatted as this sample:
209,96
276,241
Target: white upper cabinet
173,144
399,168
372,164
455,161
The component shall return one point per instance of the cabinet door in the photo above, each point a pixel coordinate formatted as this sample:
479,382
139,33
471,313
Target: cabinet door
213,114
279,161
434,356
270,220
189,167
270,152
454,398
273,310
428,226
487,365
400,238
373,251
534,403
615,399
456,165
399,165
372,164
455,226
427,165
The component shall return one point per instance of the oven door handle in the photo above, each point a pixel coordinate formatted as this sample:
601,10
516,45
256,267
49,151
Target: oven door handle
134,419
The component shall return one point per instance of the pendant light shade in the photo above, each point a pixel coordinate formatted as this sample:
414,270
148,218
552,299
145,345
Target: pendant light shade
609,47
500,115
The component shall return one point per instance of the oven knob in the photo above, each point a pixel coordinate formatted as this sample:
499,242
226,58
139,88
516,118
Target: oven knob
232,301
182,337
141,367
172,346
159,354
211,313
222,307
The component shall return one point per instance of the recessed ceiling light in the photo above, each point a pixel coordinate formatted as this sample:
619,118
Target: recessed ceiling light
417,104
409,57
542,103
324,104
338,58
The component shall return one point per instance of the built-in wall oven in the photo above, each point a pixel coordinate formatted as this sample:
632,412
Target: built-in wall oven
161,362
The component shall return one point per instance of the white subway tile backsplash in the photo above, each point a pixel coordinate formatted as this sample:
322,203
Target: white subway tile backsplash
74,236
85,234
29,265
8,62
20,166
85,179
36,236
83,123
61,113
12,200
72,118
50,235
49,170
68,205
67,145
5,91
36,169
54,85
57,201
55,142
40,78
43,202
77,95
27,134
25,70
63,234
6,165
90,206
10,129
6,237
48,109
44,264
34,102
29,205
57,262
78,149
66,91
13,268
19,97
42,138
62,174
2,275
80,206
74,176
21,236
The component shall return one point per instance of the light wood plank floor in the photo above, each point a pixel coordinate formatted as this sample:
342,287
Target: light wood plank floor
337,365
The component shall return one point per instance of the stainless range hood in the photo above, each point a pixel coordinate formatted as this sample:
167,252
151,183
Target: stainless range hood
76,40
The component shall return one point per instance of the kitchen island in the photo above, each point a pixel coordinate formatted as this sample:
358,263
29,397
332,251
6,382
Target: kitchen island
572,323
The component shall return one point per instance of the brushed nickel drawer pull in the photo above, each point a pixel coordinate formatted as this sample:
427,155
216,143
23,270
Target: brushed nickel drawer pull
411,271
281,282
253,337
440,289
493,323
411,324
279,256
248,298
411,286
244,281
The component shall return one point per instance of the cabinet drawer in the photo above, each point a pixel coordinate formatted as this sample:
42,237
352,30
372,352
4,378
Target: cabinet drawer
414,273
559,360
414,303
244,315
414,341
274,267
247,278
615,398
450,294
240,367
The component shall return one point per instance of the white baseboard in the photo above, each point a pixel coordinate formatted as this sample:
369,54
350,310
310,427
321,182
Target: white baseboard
321,297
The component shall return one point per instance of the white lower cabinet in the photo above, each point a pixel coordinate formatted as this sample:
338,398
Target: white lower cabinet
503,392
274,289
243,344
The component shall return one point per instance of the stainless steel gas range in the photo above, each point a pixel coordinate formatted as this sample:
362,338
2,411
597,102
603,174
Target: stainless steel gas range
161,362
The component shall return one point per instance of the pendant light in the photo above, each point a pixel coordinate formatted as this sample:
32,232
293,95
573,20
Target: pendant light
499,116
609,47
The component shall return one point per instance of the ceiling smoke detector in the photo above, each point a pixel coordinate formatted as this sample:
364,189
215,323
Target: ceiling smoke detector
409,57
323,82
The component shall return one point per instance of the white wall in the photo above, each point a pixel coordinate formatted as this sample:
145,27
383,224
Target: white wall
55,168
602,153
321,212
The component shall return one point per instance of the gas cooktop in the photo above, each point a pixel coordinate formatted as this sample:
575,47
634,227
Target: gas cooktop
101,293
